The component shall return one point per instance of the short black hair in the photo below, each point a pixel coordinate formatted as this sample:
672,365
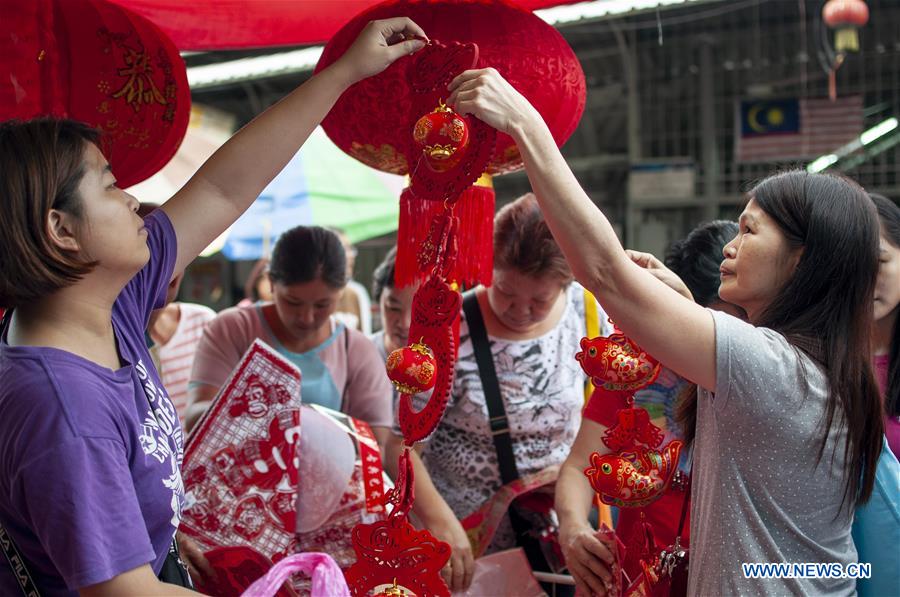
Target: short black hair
383,276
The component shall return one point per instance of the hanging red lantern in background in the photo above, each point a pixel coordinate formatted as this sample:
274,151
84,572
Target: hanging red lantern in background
846,16
373,120
100,63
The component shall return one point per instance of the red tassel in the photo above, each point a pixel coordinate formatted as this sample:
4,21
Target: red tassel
475,261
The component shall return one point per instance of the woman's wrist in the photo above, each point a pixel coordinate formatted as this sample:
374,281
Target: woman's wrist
572,524
340,73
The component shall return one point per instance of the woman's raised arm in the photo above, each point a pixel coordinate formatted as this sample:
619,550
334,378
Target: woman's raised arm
676,331
233,177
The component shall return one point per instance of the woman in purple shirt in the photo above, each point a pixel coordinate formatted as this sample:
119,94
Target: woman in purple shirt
90,445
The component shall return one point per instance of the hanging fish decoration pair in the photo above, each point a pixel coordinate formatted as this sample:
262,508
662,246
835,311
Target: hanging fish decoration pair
638,471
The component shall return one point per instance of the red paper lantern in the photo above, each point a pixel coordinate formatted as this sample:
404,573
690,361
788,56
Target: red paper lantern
443,137
412,369
846,16
526,50
373,120
102,64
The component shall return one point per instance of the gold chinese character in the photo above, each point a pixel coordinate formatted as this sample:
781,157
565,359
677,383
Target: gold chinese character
139,89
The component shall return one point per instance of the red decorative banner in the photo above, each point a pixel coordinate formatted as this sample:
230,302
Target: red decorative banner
371,466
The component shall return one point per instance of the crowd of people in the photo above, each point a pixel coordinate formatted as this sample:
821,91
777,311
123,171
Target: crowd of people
778,336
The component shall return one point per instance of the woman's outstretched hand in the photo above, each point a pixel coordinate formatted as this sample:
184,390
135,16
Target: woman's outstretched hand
378,45
484,93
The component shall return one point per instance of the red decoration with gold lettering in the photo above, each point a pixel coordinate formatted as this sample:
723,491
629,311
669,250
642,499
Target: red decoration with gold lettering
102,64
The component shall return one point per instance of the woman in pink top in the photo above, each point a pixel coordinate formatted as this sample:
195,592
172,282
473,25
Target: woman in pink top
341,369
886,331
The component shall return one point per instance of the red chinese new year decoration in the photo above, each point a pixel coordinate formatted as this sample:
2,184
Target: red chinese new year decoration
846,16
390,122
393,558
638,472
241,472
369,119
617,369
100,63
412,369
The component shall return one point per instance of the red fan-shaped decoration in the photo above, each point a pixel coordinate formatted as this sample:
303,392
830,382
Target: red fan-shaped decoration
100,63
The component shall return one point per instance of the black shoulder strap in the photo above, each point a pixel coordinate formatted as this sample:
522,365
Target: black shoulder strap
497,419
17,563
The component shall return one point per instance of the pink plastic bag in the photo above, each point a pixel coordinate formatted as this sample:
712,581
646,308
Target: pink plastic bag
327,578
503,573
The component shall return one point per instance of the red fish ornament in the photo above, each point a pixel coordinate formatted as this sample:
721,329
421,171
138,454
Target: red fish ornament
636,479
617,368
638,471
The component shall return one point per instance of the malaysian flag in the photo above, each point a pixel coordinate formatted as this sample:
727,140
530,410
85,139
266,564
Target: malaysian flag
794,129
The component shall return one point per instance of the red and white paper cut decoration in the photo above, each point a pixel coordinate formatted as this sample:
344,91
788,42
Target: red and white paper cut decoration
241,470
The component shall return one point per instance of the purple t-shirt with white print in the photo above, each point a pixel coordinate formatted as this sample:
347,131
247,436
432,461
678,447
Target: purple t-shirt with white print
90,458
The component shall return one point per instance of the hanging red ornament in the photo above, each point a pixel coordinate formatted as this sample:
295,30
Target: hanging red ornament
846,16
616,363
443,136
633,479
392,555
412,369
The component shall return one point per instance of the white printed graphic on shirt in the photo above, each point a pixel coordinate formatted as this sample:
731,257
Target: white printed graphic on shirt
160,427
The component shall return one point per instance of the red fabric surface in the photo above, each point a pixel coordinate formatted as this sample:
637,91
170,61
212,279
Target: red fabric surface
102,64
231,24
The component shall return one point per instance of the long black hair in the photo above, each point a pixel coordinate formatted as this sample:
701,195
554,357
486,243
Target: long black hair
889,214
825,308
